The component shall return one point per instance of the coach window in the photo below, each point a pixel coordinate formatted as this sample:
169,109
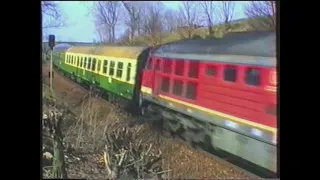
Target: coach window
85,63
78,61
165,84
252,77
191,91
128,72
111,69
193,69
211,71
167,66
89,63
157,65
105,66
230,73
73,60
177,87
119,70
66,60
81,61
94,61
99,65
179,67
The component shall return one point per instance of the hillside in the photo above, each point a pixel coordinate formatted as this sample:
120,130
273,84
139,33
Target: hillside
239,25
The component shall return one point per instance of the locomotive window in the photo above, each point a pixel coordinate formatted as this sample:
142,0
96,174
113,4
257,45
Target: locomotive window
111,69
165,84
167,66
177,87
94,61
119,70
105,66
179,67
230,74
193,69
81,61
128,72
252,77
89,63
99,65
211,71
157,66
191,90
85,62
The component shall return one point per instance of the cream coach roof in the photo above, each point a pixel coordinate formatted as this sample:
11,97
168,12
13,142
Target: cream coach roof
111,51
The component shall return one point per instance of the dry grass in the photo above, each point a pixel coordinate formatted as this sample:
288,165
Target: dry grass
94,129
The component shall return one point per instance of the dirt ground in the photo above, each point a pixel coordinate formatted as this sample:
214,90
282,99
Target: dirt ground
183,161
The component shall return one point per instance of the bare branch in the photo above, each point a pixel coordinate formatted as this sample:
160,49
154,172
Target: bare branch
134,10
226,11
52,10
187,19
107,15
208,9
261,14
170,20
153,22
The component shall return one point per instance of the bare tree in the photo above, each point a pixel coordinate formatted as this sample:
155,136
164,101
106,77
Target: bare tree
107,14
262,15
226,11
52,11
187,19
170,19
134,10
208,9
153,22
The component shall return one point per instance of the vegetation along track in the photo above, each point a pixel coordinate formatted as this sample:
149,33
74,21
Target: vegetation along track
234,162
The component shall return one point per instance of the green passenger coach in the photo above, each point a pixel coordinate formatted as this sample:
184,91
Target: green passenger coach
112,69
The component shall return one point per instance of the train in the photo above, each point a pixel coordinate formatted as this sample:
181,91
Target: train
217,92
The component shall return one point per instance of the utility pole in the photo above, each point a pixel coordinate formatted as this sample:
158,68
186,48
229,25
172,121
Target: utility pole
51,45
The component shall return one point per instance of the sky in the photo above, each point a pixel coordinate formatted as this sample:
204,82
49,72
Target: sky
80,23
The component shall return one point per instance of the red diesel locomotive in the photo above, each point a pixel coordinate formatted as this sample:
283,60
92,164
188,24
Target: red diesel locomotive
218,92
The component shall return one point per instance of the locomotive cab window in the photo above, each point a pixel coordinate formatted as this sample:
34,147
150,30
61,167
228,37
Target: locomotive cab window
111,69
230,73
128,72
119,70
252,77
211,71
105,66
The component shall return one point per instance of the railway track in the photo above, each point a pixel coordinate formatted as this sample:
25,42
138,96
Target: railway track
235,162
